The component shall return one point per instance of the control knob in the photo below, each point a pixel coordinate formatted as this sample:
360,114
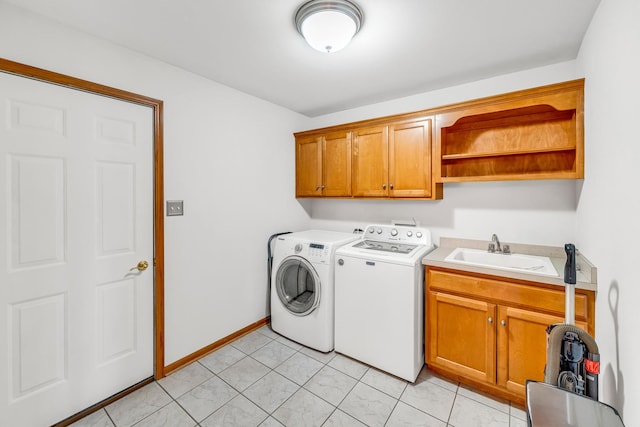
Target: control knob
379,230
419,235
298,248
409,233
394,232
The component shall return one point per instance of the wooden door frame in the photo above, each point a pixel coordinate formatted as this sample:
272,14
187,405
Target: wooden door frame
30,72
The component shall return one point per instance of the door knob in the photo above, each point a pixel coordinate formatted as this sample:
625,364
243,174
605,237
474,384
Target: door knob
490,319
142,266
384,186
503,323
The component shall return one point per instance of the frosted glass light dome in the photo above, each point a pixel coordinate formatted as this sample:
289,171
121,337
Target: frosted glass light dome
328,26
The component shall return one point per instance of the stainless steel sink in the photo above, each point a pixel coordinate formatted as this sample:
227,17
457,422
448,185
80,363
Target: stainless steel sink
531,264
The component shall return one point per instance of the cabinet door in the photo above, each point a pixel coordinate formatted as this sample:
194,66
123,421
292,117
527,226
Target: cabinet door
336,164
522,346
410,159
461,336
370,162
308,167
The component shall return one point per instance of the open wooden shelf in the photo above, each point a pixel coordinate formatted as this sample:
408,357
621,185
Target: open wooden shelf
527,136
538,165
461,156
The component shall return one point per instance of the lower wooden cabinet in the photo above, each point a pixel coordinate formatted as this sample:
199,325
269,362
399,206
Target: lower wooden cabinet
462,337
491,333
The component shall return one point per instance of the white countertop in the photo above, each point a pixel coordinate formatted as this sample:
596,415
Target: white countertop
586,276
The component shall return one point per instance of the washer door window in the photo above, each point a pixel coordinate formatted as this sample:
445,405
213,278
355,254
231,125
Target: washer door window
298,286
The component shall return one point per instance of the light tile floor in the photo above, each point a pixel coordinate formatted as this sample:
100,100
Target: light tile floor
264,379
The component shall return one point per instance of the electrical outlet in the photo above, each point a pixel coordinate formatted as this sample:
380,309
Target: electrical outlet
175,207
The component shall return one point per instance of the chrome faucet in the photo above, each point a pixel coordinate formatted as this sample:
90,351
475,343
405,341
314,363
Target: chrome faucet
495,246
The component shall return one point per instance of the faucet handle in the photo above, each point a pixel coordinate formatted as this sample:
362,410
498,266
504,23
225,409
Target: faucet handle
492,247
506,249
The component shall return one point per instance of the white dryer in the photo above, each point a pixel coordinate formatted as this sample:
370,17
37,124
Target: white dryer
302,286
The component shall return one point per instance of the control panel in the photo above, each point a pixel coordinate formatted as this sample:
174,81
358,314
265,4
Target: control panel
314,252
398,233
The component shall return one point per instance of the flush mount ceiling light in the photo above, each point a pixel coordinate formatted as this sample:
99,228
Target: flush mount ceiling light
328,26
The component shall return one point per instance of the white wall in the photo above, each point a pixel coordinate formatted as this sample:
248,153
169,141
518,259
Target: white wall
229,156
535,212
608,205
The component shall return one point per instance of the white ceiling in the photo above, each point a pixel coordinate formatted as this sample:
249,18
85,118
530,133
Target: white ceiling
404,47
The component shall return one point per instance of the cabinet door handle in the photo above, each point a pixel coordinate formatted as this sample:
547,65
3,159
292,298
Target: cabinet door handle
384,186
319,187
503,322
391,186
490,320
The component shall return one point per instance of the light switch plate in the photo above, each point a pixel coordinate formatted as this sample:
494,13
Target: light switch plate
175,207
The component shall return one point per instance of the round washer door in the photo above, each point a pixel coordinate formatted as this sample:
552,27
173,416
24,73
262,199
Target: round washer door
298,286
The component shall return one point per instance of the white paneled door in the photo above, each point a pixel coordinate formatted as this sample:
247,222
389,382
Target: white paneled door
76,219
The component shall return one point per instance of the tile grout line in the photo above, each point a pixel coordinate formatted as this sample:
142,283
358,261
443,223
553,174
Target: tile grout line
336,407
323,363
241,392
295,351
175,399
306,382
453,405
109,416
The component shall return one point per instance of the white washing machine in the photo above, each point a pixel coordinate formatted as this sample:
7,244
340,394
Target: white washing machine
379,308
302,286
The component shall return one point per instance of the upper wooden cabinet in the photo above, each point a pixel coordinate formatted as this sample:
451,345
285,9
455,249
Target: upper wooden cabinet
410,158
308,167
393,160
323,165
531,134
370,159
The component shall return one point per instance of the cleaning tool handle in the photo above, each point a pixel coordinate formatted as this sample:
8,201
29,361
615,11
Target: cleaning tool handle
570,265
